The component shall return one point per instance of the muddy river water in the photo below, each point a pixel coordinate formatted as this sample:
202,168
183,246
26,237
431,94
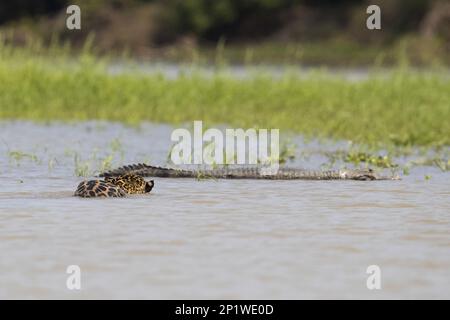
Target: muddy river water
208,239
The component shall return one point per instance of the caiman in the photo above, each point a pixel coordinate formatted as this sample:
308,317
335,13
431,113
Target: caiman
283,173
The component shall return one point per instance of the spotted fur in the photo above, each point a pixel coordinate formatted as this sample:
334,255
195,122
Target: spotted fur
132,184
98,188
114,187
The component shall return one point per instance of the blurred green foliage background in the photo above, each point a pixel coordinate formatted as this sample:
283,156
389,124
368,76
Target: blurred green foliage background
309,31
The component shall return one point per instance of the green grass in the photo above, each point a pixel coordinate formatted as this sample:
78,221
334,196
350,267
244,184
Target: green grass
402,108
338,52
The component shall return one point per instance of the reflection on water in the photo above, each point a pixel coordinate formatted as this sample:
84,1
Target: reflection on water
173,71
210,239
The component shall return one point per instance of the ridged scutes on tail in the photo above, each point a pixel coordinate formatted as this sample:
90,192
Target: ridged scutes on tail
140,169
247,173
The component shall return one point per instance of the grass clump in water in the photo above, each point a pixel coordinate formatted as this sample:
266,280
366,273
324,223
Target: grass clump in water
374,160
18,156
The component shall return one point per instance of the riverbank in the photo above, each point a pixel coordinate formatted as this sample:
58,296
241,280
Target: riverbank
398,108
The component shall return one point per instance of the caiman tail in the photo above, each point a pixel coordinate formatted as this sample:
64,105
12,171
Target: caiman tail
248,173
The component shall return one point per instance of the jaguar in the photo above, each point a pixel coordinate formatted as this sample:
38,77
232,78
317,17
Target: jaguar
114,187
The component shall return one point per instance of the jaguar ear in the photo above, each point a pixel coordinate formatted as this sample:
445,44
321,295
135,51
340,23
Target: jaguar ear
149,186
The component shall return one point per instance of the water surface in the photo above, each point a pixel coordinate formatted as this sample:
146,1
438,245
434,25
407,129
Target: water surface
209,239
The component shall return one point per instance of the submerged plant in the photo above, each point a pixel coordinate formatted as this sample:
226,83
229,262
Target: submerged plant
287,152
106,163
441,164
82,168
378,161
51,163
18,156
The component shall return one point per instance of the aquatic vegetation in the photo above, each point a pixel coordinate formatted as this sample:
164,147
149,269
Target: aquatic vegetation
82,168
106,164
51,163
374,160
403,108
116,146
18,156
406,170
96,163
395,159
93,165
444,166
287,152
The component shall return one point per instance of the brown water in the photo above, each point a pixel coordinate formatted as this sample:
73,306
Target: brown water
209,239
